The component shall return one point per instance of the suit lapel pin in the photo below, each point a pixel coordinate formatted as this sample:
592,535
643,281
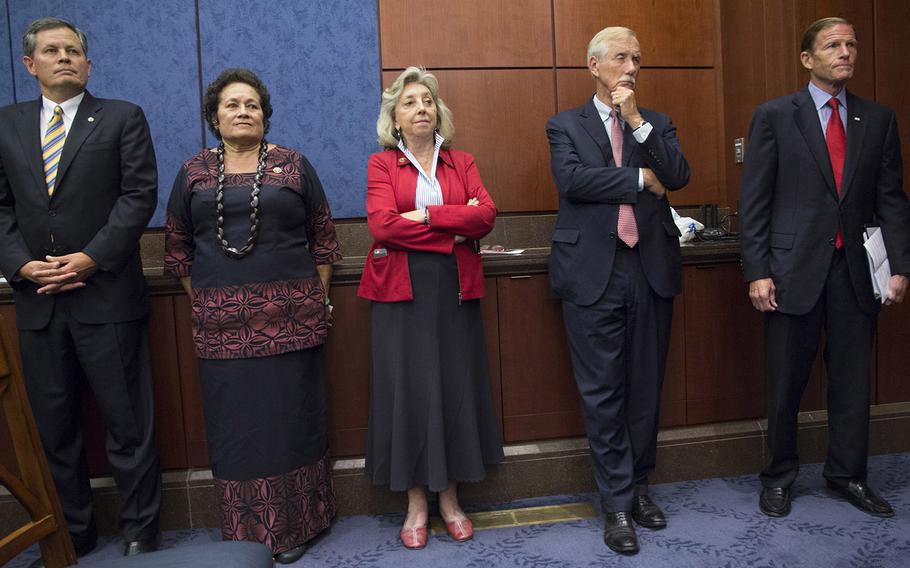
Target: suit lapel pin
276,169
856,118
402,160
91,119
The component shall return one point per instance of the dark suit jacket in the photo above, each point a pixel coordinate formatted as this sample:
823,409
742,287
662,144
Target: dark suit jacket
106,192
790,210
591,189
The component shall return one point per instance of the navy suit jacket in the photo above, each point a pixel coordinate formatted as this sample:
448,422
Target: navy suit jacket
789,206
106,192
591,188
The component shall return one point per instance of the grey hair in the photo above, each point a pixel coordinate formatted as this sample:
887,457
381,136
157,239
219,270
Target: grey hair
386,134
30,39
598,45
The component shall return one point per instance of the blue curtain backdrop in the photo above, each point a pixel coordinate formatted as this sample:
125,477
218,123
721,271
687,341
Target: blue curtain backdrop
6,58
320,61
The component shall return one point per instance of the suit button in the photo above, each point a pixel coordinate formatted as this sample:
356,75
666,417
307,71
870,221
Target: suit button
612,235
52,212
831,242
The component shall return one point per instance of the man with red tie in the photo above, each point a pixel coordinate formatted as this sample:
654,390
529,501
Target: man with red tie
820,165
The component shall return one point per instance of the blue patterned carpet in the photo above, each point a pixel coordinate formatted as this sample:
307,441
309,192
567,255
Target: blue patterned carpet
712,523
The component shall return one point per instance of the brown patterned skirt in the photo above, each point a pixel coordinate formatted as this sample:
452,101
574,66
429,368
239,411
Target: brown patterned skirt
266,427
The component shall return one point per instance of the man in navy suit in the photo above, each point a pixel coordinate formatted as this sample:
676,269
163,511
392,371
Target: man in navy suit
78,184
821,164
615,263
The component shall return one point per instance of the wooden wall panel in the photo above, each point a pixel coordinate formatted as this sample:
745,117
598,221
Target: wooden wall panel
489,307
892,68
690,98
348,373
197,451
467,33
673,395
725,346
893,357
540,399
783,72
672,33
166,374
500,117
743,65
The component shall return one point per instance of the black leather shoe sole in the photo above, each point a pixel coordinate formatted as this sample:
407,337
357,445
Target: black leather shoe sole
647,514
650,523
619,534
624,550
142,546
861,504
291,556
774,510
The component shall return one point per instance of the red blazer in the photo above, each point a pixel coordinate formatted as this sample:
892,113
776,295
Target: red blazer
391,190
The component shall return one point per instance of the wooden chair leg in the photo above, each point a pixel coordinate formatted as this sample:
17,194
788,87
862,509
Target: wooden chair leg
32,485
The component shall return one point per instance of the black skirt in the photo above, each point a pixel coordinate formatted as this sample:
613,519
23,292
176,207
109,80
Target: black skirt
432,419
266,426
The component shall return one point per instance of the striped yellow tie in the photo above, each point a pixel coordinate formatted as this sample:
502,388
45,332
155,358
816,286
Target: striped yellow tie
52,147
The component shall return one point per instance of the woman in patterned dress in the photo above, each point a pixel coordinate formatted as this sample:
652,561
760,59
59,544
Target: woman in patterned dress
250,235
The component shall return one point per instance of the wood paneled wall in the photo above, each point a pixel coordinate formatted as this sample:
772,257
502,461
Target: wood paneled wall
760,47
505,67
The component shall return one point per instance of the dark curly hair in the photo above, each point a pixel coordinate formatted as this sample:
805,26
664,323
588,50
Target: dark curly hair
228,76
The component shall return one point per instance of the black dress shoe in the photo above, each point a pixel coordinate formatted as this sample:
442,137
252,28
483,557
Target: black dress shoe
863,498
142,545
647,514
619,533
290,556
775,501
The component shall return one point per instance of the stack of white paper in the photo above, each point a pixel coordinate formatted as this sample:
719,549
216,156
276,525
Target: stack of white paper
879,268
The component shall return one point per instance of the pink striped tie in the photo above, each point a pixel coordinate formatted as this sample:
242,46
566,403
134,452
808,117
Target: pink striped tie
625,226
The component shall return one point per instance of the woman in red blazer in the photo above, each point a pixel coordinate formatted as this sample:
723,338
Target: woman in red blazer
432,422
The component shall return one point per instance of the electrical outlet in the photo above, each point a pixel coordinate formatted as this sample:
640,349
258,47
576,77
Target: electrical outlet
738,149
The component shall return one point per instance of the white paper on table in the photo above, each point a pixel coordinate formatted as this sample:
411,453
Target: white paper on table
879,268
505,251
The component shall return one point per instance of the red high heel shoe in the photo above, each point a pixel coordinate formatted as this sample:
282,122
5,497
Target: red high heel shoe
414,539
460,530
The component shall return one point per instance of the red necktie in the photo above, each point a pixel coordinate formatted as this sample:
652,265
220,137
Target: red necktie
837,151
625,225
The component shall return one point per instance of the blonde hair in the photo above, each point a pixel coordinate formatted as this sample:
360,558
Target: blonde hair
386,134
598,45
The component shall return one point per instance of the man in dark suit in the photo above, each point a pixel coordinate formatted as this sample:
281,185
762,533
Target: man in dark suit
78,184
616,265
810,185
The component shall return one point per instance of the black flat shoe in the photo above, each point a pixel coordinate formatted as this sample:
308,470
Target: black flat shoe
142,545
291,556
647,514
619,533
861,496
775,501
